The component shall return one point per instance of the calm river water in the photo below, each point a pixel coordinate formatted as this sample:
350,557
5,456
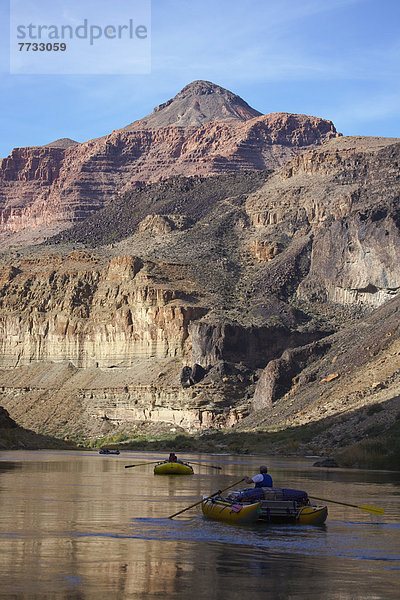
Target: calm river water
79,526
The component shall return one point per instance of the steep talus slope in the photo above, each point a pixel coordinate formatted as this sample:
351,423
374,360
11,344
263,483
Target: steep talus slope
62,143
204,130
179,202
350,381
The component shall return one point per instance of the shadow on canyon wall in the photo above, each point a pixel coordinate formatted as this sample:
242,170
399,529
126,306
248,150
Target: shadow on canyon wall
13,437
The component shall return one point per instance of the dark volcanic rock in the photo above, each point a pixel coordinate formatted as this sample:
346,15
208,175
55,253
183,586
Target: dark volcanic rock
5,420
252,346
191,376
197,373
278,376
185,376
229,274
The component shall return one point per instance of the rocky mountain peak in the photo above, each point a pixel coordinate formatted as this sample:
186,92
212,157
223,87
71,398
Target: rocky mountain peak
205,88
62,143
198,103
204,130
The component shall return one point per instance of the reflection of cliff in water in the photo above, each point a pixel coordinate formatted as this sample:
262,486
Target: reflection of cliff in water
8,466
80,526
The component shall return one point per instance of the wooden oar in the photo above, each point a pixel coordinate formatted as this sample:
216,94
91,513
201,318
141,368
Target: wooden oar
140,464
370,509
160,461
208,497
204,465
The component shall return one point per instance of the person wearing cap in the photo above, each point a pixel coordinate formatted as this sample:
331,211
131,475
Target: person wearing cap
262,479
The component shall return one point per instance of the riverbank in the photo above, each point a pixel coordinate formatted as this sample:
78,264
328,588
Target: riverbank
375,452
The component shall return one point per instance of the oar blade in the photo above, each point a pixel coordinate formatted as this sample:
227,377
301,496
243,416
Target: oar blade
373,509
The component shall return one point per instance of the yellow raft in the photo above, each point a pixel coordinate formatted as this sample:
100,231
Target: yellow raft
173,468
268,511
240,514
312,515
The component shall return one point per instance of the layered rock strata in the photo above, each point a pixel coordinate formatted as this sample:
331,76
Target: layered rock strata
204,130
89,313
345,194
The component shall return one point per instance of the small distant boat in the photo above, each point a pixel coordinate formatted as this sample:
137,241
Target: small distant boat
105,451
173,468
272,505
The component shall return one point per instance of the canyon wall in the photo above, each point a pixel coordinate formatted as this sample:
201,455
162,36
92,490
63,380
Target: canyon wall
187,304
44,190
61,400
344,195
89,313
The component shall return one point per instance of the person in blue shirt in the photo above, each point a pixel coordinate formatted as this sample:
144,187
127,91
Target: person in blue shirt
263,479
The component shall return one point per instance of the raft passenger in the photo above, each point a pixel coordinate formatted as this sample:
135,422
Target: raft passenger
262,479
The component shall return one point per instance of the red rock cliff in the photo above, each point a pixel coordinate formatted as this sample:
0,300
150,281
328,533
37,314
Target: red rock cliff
204,130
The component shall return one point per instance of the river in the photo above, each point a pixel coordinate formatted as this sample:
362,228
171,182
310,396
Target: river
79,526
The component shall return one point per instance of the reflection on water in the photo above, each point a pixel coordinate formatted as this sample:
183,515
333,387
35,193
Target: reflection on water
80,526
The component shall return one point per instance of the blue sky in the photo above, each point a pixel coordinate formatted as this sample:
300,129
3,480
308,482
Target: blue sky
336,59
